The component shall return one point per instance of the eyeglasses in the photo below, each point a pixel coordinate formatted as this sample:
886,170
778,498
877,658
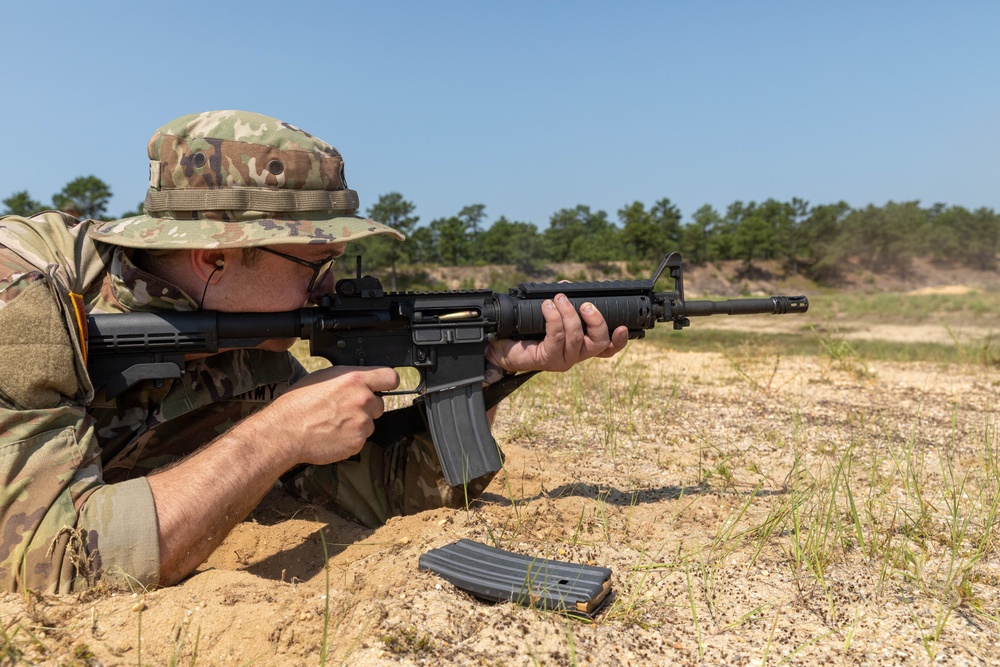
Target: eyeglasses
319,268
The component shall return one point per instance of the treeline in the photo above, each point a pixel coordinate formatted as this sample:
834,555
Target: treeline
83,197
816,241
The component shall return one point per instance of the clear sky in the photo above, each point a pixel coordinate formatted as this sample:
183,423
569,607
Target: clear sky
527,107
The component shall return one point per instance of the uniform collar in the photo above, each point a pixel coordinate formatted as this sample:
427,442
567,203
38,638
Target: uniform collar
136,289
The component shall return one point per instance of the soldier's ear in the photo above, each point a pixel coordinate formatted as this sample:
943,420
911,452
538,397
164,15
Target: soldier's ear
207,264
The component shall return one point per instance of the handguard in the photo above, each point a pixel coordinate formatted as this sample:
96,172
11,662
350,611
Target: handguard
501,576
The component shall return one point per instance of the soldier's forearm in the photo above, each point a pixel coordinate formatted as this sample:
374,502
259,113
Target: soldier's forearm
199,500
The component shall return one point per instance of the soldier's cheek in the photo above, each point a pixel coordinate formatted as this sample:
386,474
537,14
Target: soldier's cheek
277,345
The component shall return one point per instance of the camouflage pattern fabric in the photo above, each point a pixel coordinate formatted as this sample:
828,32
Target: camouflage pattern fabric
56,514
75,507
234,179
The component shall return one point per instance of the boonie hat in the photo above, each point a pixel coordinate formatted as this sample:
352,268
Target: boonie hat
235,179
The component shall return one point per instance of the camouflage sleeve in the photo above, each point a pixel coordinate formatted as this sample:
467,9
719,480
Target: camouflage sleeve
61,527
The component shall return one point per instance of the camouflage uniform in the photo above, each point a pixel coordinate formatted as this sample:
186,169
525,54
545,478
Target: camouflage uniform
74,503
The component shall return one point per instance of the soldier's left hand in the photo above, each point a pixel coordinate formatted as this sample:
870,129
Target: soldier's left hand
569,339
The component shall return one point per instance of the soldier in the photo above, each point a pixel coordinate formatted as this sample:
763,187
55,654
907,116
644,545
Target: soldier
244,213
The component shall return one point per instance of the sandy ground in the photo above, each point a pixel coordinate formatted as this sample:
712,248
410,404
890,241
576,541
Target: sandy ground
676,471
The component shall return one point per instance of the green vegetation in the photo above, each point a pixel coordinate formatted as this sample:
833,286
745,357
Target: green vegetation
814,241
713,340
83,197
905,308
811,240
818,343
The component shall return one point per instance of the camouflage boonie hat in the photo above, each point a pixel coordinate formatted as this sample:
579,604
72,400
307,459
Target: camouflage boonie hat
235,179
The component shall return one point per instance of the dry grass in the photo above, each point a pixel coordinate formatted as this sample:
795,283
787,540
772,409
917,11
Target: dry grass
809,509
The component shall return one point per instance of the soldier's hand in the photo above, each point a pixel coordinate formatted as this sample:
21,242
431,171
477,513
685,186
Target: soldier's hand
567,340
330,413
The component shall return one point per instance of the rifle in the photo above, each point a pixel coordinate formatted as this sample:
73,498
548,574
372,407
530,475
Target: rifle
441,334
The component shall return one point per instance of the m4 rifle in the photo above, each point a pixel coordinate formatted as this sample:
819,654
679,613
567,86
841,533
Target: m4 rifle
443,335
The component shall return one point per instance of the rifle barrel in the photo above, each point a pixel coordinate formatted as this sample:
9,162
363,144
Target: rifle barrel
773,305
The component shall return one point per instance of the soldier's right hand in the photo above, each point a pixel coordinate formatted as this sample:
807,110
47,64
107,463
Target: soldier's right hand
330,413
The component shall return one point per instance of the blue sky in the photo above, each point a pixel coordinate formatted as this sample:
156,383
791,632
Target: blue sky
527,107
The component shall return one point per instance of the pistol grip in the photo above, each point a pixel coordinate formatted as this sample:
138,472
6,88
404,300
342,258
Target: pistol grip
457,420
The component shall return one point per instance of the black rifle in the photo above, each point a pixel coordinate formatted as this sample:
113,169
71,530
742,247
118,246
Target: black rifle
442,334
